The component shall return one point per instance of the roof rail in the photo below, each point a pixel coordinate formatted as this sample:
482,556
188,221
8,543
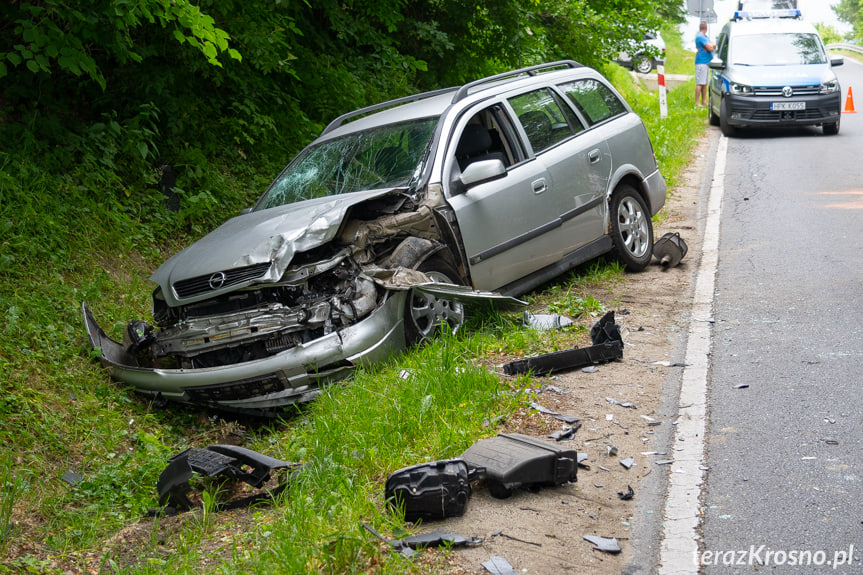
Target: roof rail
374,108
530,71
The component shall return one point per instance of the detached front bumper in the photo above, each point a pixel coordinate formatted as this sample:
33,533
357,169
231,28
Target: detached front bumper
264,385
757,110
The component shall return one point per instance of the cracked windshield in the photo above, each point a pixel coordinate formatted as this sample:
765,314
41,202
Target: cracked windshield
383,157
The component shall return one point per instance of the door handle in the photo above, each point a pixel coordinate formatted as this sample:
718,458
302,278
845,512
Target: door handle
539,186
593,156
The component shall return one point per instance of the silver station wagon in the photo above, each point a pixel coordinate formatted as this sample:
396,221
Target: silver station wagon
392,221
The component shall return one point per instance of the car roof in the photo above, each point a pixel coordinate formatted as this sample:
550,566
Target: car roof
432,104
770,26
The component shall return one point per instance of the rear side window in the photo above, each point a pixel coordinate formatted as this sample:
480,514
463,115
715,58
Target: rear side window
546,122
593,99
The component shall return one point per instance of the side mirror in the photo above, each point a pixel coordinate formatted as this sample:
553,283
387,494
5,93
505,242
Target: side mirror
717,64
837,60
483,171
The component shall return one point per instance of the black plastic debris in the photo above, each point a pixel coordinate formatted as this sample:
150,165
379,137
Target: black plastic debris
232,462
603,543
431,490
670,249
425,540
512,460
564,433
572,420
607,346
497,565
626,495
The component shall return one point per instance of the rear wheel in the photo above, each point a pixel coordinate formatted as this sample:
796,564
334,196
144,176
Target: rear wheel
425,312
631,228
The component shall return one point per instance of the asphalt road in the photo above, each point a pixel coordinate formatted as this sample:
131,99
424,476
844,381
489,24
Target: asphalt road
785,406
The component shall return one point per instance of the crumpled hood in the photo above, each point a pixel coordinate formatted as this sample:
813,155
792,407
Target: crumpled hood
779,76
272,235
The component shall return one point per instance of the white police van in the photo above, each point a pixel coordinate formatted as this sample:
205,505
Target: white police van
771,69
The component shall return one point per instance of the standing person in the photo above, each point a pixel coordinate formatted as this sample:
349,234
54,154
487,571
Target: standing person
705,53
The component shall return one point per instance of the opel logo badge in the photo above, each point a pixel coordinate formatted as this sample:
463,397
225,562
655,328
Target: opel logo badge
217,280
787,91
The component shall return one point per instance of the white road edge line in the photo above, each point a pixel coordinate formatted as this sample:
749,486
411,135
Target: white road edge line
682,515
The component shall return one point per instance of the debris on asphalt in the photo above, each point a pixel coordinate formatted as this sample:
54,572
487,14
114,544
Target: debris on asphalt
500,533
664,462
564,418
741,386
831,441
544,321
611,450
626,495
628,404
670,249
431,491
582,458
604,544
589,369
628,462
497,565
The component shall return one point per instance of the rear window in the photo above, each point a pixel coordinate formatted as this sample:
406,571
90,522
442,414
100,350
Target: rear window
593,99
777,50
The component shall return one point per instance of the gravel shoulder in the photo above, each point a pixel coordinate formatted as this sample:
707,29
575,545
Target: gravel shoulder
542,532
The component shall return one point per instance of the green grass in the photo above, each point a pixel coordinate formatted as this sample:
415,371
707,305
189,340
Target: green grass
63,242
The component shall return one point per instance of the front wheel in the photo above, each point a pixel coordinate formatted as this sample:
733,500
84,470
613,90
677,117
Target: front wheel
425,312
727,129
711,117
830,129
631,228
643,64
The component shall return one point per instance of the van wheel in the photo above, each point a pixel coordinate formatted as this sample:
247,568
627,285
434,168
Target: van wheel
727,129
711,117
631,228
830,129
424,312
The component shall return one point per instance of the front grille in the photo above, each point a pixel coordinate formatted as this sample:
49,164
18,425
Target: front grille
201,284
237,390
776,91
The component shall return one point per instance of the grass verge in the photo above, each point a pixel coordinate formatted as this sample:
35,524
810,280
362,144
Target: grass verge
62,244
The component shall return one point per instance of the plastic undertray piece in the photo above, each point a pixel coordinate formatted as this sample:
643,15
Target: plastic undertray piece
431,490
512,460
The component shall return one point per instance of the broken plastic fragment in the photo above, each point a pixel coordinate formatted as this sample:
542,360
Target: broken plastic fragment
565,433
626,495
545,321
423,540
235,463
71,478
603,543
564,418
497,565
613,401
628,462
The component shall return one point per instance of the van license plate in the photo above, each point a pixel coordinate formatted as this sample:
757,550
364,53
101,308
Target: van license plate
787,106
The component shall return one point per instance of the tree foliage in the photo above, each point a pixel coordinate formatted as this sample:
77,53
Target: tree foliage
139,83
851,12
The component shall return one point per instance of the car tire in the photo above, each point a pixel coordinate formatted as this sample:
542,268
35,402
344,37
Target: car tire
631,228
727,129
424,313
642,64
830,129
711,117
